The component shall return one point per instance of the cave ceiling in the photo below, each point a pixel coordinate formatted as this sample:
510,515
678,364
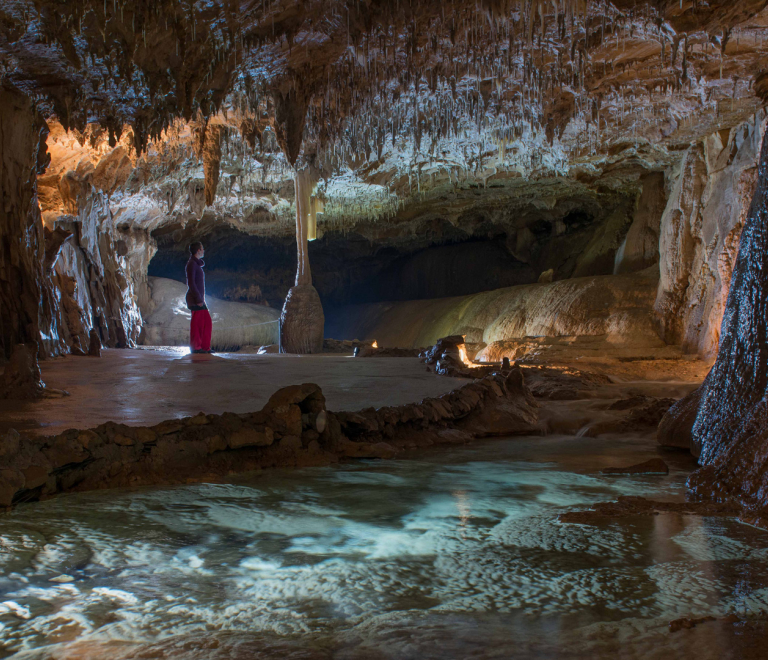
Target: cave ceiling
404,108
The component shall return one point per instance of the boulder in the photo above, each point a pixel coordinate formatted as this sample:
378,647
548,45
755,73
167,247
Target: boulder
11,481
94,344
9,445
445,345
251,437
676,426
235,324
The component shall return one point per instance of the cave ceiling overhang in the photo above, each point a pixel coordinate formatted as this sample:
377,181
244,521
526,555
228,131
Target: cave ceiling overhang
396,104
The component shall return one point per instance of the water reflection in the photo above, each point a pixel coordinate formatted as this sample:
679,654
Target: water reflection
455,555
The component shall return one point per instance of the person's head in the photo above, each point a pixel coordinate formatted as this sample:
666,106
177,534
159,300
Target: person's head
197,249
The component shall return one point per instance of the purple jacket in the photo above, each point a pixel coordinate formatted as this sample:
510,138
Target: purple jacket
195,284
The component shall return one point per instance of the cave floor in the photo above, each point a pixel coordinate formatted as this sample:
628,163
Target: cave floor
147,386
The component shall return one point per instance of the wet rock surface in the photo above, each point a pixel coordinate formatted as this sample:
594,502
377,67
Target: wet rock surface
294,428
631,506
731,426
653,466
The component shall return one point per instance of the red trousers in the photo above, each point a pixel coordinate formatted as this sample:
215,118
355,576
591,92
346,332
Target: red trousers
200,331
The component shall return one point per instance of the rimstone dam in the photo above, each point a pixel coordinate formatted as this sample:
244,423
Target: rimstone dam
383,329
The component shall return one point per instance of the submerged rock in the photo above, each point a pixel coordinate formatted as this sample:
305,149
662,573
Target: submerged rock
676,427
632,506
652,466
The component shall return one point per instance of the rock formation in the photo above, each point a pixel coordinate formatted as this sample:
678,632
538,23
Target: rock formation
731,426
613,308
294,428
700,231
640,249
574,175
676,427
94,278
30,313
21,378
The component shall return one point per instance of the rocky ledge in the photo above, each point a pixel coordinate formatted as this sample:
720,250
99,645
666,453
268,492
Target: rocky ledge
293,429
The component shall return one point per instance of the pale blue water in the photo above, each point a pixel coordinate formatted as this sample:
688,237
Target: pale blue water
456,554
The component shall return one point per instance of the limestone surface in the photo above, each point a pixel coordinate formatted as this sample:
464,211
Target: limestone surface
302,320
293,428
731,424
615,308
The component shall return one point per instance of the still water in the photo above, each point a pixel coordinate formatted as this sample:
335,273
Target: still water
455,554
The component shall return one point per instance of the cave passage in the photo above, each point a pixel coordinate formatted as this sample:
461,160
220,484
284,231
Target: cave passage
349,270
487,283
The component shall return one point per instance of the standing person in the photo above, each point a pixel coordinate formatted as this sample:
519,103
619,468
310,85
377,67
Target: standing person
201,325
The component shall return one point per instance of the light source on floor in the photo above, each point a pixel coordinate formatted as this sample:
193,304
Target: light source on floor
464,357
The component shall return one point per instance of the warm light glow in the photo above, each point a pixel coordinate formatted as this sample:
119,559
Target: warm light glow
375,344
463,355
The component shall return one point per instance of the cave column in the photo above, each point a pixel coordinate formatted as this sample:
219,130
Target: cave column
28,309
302,318
303,184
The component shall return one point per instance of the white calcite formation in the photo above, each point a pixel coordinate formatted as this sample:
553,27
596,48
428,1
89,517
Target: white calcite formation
700,231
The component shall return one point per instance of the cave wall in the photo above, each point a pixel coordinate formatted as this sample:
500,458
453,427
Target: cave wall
98,276
65,267
640,248
614,307
348,268
731,428
438,271
699,234
29,311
